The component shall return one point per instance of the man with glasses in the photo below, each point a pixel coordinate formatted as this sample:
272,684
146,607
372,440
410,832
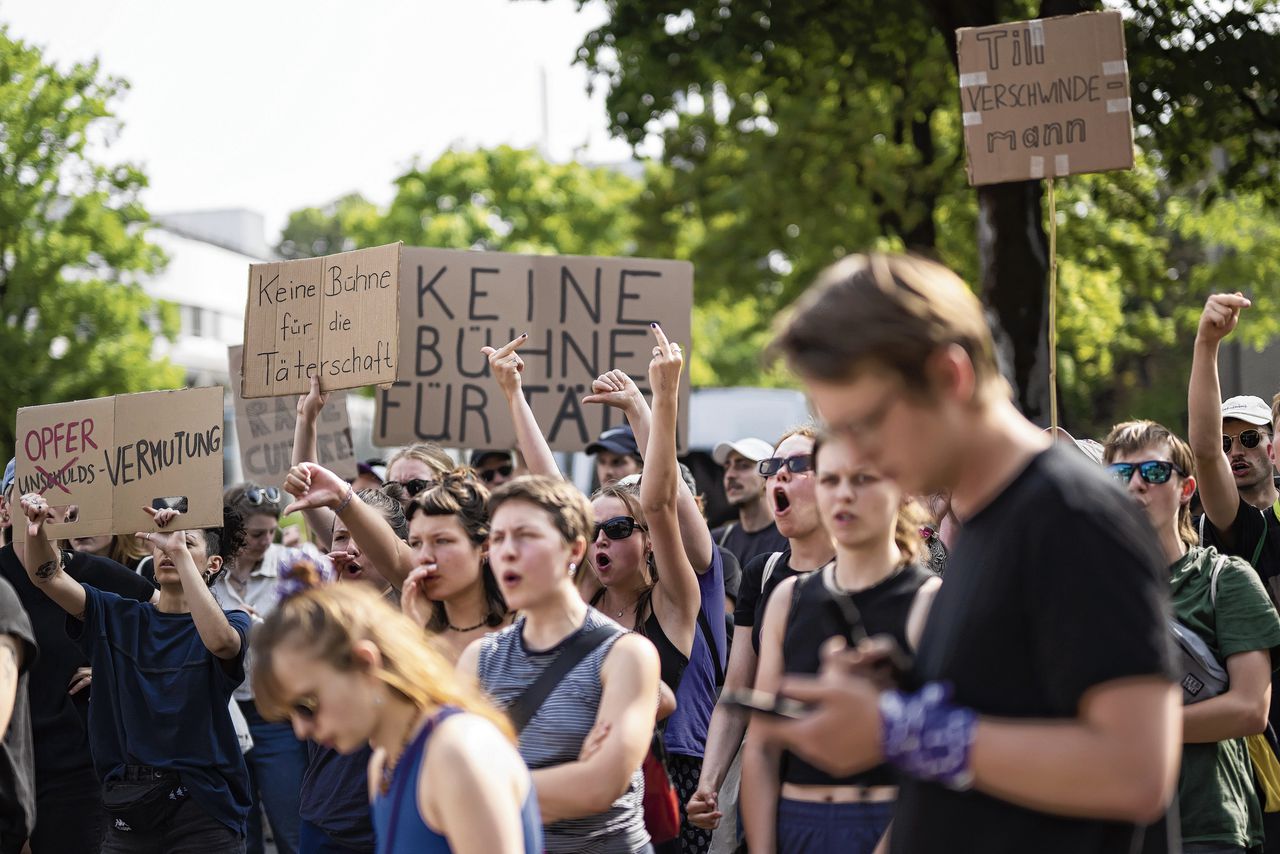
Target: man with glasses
1041,713
1235,460
494,466
754,532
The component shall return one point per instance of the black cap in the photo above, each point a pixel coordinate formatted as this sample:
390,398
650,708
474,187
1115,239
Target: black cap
479,455
618,440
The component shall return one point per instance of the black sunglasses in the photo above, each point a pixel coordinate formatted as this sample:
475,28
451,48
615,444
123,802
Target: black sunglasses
617,528
1152,471
1248,439
413,487
488,475
305,708
257,495
799,464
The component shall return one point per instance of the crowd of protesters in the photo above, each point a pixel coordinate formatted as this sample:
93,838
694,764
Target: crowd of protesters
928,626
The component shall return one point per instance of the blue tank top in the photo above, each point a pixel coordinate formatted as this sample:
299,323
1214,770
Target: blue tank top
399,825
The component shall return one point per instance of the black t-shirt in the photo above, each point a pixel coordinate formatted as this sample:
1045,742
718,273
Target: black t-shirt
1054,587
755,590
59,720
732,573
17,768
746,547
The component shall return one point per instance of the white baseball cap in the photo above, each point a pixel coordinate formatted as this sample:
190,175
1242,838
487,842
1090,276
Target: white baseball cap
750,447
1247,407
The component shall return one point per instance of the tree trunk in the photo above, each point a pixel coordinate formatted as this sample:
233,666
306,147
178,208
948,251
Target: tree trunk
1013,256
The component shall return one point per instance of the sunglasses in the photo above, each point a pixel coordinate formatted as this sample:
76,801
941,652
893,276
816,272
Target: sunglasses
1151,471
799,464
1248,439
488,475
257,495
617,528
413,487
305,708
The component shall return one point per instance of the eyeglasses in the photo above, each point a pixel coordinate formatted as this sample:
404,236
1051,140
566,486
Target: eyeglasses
799,464
257,495
617,528
1152,471
413,487
488,475
305,708
1248,439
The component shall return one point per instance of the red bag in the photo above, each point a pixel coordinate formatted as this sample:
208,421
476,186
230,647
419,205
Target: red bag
661,803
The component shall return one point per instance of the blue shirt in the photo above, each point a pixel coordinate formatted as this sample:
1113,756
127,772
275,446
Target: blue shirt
686,731
160,699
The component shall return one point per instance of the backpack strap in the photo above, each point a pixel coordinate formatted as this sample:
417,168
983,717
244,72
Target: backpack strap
704,625
724,535
770,565
528,703
1213,580
1257,550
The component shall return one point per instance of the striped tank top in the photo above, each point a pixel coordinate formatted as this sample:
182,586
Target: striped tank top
555,734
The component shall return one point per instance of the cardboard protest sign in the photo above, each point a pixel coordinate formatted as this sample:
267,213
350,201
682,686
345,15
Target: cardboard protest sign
1045,98
334,315
264,432
112,456
584,316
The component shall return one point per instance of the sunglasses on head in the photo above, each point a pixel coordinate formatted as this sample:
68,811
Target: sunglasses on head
257,495
413,487
1151,471
305,708
617,528
799,464
488,475
1248,439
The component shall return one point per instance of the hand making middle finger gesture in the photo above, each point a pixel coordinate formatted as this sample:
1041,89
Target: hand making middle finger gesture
506,364
667,363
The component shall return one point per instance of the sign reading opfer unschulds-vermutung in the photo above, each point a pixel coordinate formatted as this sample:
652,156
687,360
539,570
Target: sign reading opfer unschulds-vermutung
584,316
334,316
1045,98
112,456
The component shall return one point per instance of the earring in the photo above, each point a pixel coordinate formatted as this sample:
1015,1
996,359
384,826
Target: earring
573,569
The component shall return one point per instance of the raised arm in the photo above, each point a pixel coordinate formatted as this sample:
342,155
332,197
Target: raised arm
313,485
618,390
677,581
506,365
1218,491
43,563
628,703
319,519
215,632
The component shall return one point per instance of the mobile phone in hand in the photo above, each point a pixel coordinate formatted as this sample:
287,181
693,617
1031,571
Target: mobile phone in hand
766,703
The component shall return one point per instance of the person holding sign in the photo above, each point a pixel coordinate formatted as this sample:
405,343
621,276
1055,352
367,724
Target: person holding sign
1044,715
163,742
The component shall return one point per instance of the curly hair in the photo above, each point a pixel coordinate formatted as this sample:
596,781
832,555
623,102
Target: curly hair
225,541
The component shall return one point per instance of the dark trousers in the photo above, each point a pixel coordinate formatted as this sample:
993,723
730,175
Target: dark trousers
313,840
69,813
190,831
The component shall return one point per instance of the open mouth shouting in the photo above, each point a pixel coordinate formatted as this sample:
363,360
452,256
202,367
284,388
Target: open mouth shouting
781,502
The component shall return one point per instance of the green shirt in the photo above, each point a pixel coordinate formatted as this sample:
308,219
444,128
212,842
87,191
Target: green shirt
1216,795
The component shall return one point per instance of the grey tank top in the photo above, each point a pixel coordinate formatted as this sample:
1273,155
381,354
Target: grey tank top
555,734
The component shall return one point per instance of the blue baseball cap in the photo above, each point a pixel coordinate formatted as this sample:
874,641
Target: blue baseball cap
619,440
9,472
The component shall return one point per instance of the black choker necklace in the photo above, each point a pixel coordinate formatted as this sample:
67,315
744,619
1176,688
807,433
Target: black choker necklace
454,628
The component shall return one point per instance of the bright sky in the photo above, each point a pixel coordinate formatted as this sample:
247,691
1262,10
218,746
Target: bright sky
277,104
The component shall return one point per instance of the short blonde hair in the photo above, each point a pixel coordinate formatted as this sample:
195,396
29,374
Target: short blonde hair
427,453
569,509
1130,436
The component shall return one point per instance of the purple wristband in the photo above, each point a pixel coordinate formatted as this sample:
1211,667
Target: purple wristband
927,736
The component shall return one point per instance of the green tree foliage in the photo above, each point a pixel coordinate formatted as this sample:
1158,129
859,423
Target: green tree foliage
798,131
76,324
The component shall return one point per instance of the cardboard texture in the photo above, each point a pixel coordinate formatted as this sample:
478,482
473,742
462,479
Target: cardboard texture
264,432
336,315
112,456
1045,98
584,316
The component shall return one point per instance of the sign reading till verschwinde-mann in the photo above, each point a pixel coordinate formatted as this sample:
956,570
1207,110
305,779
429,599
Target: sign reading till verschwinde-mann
111,456
584,316
333,317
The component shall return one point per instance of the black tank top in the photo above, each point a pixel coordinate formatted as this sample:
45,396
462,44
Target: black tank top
815,615
670,659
